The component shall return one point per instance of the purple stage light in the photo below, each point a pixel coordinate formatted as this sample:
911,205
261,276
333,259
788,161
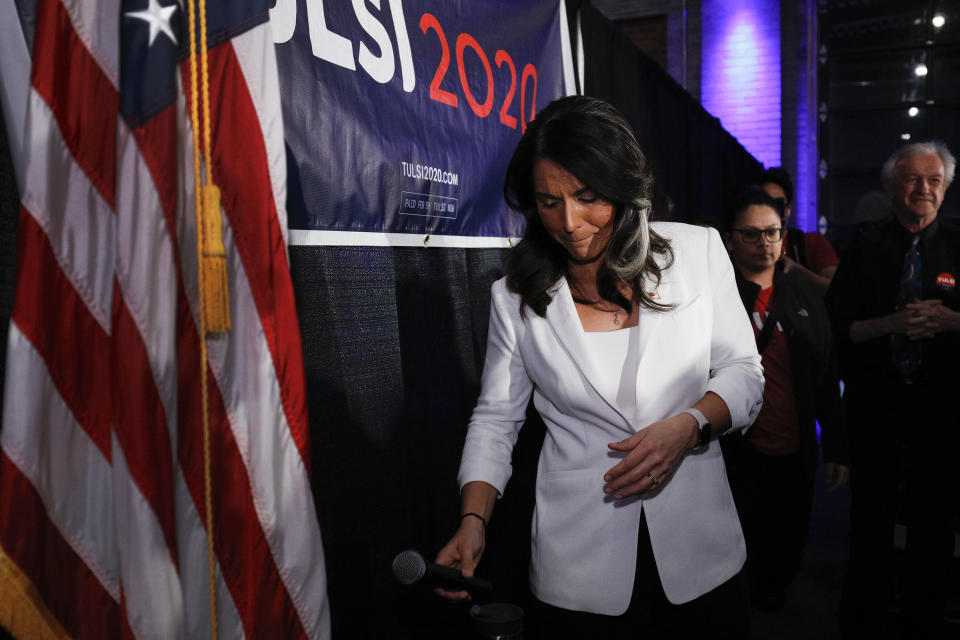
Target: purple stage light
741,72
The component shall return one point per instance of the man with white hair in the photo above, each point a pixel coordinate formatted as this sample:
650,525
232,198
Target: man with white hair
896,310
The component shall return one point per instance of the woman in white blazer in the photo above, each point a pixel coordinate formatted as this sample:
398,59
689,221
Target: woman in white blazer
634,344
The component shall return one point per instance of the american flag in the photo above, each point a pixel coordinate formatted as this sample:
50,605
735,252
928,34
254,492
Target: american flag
101,459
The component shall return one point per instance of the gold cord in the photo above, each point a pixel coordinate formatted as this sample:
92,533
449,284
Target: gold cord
202,231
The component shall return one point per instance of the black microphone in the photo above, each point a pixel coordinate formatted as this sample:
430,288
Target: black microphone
409,567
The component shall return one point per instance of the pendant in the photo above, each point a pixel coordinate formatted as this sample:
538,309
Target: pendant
616,318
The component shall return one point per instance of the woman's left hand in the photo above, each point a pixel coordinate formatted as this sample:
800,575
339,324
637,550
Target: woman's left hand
652,455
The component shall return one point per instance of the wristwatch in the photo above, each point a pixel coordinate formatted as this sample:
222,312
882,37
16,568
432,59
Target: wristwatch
704,429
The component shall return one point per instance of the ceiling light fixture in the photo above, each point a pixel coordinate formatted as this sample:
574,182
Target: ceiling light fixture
912,112
920,70
904,136
938,20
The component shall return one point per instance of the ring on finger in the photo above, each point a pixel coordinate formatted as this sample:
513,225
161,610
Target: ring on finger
652,478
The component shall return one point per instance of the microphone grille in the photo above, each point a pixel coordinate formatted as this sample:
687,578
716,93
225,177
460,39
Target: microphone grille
409,567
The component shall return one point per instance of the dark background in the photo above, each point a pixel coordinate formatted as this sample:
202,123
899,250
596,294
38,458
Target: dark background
867,82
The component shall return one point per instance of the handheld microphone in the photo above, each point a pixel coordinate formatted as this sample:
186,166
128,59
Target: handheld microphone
409,567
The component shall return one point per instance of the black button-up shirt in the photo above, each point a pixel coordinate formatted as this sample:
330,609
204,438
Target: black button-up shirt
866,286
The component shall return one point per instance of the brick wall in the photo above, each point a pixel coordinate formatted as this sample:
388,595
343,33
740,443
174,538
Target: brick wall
740,79
649,33
624,11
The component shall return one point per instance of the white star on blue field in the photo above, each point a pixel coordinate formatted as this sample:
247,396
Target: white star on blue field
158,17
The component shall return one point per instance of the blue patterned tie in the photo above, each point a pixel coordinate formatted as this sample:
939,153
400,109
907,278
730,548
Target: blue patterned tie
907,354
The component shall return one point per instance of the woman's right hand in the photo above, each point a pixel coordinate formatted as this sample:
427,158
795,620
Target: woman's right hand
462,552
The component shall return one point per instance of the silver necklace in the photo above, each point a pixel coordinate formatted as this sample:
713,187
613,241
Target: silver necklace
616,311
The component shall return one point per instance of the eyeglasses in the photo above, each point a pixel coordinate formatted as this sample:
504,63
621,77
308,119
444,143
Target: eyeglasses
752,236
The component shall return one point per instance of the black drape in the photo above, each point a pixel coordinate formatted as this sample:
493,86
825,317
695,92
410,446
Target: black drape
393,342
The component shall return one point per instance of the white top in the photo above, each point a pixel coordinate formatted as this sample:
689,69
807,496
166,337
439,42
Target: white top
610,348
584,544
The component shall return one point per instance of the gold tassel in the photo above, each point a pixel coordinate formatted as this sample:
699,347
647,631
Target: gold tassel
216,292
22,610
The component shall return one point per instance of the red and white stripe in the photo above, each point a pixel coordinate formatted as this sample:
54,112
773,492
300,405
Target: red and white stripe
102,445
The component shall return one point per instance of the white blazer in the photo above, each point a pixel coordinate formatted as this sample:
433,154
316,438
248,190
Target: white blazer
584,544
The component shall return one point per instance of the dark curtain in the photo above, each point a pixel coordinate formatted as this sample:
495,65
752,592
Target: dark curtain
394,341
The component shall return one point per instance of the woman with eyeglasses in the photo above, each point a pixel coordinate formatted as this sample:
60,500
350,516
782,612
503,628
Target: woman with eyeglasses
629,338
771,466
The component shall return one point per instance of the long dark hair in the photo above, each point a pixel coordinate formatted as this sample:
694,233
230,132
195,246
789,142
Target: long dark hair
592,141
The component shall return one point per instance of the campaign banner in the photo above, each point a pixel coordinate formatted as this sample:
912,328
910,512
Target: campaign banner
400,116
